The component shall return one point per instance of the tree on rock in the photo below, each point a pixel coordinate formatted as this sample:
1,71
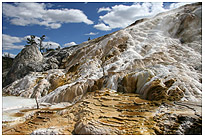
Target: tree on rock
36,98
41,40
31,40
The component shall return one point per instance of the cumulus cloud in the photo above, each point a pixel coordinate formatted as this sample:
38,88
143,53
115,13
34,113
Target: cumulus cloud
176,5
120,16
102,27
10,42
70,44
91,33
104,9
50,45
24,14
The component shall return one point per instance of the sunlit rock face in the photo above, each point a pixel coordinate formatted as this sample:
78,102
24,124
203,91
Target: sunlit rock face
150,63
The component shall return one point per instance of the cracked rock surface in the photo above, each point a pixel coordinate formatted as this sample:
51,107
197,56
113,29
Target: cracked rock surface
107,112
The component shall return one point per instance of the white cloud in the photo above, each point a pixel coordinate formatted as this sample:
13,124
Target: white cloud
120,16
50,45
9,42
70,44
104,9
24,14
176,5
102,27
91,33
49,5
10,54
67,16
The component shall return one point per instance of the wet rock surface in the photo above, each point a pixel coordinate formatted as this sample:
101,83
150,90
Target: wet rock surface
107,112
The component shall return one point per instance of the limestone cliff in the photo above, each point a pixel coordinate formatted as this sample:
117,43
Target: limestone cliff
157,59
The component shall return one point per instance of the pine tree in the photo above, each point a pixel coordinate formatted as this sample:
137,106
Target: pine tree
31,40
41,40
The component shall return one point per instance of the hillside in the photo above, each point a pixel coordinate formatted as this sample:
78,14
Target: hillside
143,79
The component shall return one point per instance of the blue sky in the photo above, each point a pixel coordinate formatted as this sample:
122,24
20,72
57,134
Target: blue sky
70,23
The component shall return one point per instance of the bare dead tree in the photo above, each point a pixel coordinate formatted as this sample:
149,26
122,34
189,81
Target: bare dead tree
36,98
40,44
102,65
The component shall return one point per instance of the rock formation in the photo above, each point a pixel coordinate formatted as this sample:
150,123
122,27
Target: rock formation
24,63
149,75
30,60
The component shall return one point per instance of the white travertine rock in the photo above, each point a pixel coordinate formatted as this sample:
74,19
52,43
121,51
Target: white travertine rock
34,83
46,131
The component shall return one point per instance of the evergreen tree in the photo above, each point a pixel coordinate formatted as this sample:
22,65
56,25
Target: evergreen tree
31,40
41,40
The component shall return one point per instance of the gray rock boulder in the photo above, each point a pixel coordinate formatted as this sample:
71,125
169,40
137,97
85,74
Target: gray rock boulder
29,59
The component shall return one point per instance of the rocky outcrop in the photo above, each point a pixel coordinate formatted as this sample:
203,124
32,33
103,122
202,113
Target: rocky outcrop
22,63
30,59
